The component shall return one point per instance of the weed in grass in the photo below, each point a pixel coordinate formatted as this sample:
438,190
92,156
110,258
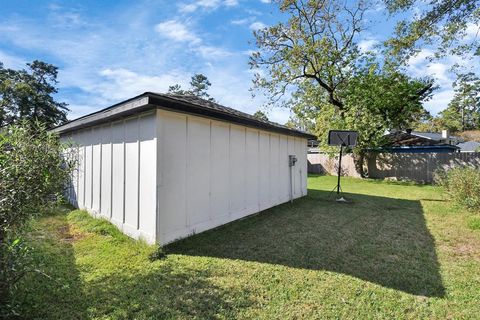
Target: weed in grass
474,223
158,254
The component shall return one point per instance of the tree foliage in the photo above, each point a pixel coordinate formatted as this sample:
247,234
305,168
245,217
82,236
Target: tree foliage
314,59
375,102
33,173
260,115
28,95
199,85
463,112
443,23
317,43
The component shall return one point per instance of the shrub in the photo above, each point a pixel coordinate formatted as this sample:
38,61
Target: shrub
462,185
33,175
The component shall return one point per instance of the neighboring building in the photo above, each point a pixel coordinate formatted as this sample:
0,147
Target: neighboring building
162,167
443,137
418,142
469,146
313,146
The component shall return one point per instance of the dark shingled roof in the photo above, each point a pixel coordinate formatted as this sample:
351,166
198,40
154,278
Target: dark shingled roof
178,103
404,139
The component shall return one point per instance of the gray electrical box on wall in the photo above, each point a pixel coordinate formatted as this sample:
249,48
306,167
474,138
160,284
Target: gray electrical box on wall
291,160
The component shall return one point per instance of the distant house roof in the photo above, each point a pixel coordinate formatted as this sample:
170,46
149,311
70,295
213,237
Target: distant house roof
432,135
469,146
400,141
178,103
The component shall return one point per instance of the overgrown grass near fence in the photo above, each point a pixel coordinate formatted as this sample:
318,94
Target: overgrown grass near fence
463,186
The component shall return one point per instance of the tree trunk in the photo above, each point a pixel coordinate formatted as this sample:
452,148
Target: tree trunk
359,159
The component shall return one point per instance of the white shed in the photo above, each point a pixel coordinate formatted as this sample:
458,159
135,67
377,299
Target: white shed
162,167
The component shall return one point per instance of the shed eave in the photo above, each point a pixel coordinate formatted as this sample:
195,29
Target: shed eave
119,110
148,101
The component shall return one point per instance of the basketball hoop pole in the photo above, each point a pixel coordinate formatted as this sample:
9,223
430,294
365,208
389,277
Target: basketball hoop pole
339,170
342,138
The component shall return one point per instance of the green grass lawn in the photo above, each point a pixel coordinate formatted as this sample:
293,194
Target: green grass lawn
394,251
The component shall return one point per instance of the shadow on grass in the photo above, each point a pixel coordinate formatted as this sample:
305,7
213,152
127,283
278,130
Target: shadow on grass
160,290
378,239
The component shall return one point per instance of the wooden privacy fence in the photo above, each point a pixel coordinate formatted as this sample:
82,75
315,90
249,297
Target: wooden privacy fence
321,163
417,167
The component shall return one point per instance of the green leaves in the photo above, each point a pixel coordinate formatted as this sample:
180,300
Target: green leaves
316,44
442,23
33,175
199,85
463,112
32,169
28,95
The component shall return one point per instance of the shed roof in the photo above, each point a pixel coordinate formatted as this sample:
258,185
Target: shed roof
179,103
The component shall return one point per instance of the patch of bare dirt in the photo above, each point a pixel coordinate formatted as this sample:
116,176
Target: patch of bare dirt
65,234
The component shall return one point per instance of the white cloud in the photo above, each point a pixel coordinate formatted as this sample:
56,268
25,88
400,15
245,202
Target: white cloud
120,84
440,70
231,3
105,63
187,8
266,1
420,58
11,61
176,31
212,52
257,25
279,115
472,32
440,101
368,45
242,21
206,5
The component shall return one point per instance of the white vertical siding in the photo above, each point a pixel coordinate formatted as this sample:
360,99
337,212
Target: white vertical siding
164,175
131,173
264,170
198,171
96,168
273,166
251,175
147,179
88,169
116,176
79,139
283,177
237,170
213,172
106,169
173,165
219,168
118,172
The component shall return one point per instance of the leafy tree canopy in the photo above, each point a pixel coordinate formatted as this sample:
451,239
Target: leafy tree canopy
260,115
313,59
463,112
28,95
199,85
317,43
442,23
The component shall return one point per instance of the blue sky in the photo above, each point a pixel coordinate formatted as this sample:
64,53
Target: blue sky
108,51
